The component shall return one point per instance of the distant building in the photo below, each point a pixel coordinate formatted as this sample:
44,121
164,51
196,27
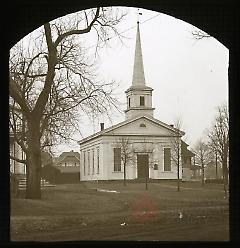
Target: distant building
68,159
68,166
16,151
196,172
213,171
150,140
187,163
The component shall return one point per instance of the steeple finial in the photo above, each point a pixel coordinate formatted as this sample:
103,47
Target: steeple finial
138,14
138,71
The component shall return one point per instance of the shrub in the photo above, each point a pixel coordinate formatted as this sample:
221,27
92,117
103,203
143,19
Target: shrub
50,173
219,180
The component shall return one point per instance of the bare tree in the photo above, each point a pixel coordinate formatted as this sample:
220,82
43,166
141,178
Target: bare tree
176,146
214,157
219,138
202,154
53,76
127,154
199,34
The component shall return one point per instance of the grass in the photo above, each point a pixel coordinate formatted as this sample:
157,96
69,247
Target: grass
80,212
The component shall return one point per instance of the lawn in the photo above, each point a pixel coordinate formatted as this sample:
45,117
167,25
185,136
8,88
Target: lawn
110,211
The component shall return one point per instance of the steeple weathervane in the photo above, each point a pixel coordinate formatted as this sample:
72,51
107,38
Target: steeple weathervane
138,14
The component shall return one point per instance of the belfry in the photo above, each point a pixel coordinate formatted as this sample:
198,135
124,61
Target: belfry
139,96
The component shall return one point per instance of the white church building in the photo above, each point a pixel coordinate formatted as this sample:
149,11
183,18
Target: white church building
150,142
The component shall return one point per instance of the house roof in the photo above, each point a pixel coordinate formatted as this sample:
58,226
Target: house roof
69,156
105,131
185,151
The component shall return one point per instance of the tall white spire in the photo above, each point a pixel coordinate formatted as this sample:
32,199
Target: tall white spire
139,96
138,70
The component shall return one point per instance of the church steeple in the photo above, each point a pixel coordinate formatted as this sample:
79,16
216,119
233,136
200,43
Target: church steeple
139,96
138,71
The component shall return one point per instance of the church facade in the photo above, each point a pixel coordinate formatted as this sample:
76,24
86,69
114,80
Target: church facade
143,145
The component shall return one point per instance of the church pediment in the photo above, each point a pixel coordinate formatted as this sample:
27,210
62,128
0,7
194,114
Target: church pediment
143,126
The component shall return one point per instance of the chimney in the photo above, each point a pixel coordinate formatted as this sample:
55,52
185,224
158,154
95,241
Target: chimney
171,125
102,126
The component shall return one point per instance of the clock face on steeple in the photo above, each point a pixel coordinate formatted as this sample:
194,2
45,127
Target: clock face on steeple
139,96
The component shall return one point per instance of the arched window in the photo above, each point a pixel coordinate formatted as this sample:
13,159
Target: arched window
142,125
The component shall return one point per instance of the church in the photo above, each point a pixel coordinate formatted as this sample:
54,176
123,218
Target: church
141,145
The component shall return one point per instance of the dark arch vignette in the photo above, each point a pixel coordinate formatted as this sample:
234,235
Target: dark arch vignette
218,18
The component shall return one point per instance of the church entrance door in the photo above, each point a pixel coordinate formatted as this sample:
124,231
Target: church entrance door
142,166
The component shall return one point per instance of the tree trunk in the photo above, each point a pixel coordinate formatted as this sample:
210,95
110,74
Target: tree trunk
146,183
216,168
178,170
225,171
178,180
33,187
225,178
203,175
124,174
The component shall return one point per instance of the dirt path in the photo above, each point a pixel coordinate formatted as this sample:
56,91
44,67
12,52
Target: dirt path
216,231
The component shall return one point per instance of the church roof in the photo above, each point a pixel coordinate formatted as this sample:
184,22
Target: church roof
139,87
128,121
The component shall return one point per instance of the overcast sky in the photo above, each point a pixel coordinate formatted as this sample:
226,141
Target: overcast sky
189,77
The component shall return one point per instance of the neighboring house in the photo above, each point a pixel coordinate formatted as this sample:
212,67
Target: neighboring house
187,163
68,165
150,140
212,171
196,172
68,159
17,152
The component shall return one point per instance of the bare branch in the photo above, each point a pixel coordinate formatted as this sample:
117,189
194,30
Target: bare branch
72,32
23,161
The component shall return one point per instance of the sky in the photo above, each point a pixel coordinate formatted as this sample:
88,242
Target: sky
189,77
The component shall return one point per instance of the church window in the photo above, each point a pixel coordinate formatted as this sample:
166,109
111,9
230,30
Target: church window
84,163
142,125
88,162
155,167
92,161
167,159
117,159
142,101
129,102
98,161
